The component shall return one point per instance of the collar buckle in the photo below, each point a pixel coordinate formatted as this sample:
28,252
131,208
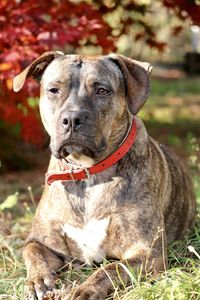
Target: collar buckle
87,173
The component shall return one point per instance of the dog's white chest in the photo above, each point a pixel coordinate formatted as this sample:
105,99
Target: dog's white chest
89,238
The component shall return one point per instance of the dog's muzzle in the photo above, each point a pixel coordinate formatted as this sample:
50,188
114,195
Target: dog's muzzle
74,120
68,149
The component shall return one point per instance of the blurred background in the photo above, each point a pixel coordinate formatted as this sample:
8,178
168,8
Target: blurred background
165,33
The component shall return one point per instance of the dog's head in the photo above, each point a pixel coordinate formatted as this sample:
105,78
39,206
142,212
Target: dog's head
86,103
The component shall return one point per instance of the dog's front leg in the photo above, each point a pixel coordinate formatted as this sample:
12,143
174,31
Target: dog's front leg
103,281
41,265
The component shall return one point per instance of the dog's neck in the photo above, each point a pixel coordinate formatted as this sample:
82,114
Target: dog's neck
70,172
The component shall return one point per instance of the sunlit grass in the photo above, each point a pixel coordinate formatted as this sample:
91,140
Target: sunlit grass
183,87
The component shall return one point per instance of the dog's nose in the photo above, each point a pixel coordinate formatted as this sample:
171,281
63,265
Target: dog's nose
74,119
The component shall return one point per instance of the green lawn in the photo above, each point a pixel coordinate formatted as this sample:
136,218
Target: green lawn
172,115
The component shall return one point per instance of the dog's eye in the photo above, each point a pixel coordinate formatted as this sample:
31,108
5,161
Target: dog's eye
53,90
102,91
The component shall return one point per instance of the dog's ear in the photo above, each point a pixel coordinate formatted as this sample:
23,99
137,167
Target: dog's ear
136,75
35,69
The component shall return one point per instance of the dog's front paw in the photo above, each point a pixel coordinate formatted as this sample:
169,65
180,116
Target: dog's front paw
87,291
38,286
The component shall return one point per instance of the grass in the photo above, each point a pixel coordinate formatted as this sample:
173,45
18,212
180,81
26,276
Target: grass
175,87
172,116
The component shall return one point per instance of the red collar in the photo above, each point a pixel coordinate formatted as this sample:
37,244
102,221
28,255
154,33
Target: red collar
81,174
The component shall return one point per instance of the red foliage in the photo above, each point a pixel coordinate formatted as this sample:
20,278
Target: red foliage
185,9
29,27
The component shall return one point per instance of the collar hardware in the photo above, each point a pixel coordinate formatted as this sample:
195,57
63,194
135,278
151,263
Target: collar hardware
87,173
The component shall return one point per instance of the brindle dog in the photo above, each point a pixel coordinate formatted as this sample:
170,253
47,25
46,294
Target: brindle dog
129,212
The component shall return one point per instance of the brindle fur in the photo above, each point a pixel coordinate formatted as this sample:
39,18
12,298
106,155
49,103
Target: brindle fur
147,196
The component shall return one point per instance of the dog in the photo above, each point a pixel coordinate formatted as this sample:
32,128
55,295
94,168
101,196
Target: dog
111,190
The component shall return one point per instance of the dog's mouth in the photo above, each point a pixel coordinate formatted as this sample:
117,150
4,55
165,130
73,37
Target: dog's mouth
76,153
75,150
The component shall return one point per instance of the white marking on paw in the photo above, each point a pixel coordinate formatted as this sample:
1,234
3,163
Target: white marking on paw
134,250
39,294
